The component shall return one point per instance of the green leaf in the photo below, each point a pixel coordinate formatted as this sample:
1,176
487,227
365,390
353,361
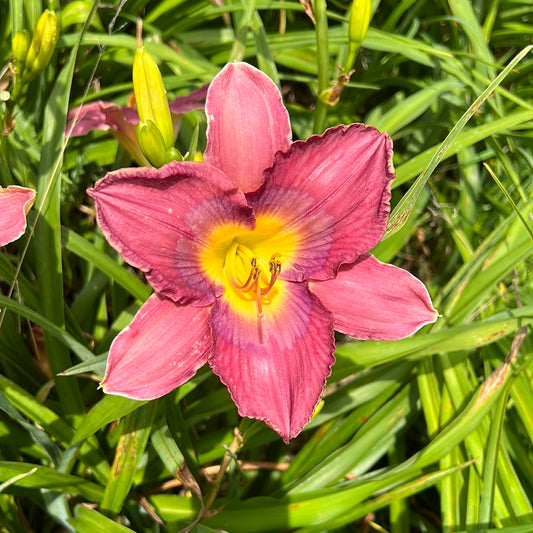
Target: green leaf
403,209
88,520
41,477
130,448
459,338
108,409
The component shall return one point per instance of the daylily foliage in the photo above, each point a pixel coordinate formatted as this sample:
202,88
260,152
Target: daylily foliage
15,202
256,255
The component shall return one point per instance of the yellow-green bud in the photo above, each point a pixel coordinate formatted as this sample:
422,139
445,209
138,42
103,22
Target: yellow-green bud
151,97
42,45
151,143
173,154
359,20
19,48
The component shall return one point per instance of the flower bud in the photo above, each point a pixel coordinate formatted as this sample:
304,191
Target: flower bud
19,48
151,97
42,45
359,21
173,154
151,143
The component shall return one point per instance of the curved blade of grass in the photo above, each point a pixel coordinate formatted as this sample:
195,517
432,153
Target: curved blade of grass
88,520
467,420
528,228
86,250
65,339
38,435
373,438
108,409
96,365
405,205
43,477
468,137
388,498
368,353
130,448
407,110
319,507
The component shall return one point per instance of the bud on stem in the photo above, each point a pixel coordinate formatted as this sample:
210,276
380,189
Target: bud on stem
20,44
357,27
42,45
150,95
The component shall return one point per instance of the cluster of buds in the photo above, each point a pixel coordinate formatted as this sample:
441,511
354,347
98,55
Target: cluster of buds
155,131
31,57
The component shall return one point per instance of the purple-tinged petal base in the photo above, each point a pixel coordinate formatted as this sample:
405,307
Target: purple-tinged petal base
15,202
162,348
374,300
276,374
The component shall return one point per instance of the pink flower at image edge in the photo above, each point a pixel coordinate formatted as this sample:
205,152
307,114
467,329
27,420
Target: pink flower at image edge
15,203
256,255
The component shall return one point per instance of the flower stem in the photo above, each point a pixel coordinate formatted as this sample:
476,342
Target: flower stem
234,447
319,9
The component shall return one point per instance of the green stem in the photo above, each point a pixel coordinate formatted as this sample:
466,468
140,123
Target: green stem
319,9
47,239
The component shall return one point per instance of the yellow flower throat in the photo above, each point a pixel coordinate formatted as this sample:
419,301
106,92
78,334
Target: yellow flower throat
261,277
248,263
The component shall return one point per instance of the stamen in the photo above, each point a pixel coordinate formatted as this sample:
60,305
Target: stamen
254,272
261,276
275,270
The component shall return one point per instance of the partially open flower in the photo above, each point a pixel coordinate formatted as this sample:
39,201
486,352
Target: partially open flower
121,121
256,255
15,203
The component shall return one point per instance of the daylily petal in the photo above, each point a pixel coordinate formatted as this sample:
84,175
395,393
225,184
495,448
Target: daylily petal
157,220
275,373
163,347
247,124
100,116
119,121
15,202
194,100
374,300
332,191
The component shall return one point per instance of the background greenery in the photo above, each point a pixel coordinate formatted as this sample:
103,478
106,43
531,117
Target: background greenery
431,433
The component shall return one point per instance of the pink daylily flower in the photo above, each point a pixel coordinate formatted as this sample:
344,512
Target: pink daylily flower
15,203
256,255
121,121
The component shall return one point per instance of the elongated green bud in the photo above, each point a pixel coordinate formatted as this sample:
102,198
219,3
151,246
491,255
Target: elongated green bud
359,21
151,143
20,44
42,45
151,97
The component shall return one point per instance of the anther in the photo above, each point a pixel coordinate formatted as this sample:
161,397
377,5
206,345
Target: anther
275,270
